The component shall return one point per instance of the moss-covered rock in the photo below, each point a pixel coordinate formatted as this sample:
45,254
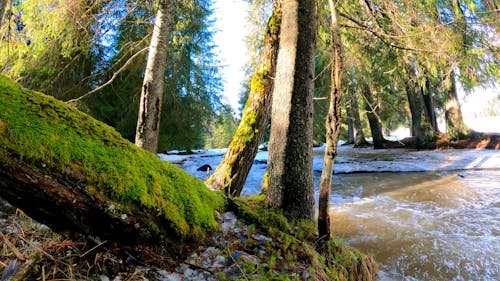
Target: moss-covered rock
58,140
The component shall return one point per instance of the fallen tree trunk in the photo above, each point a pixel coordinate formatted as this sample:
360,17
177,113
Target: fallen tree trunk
76,174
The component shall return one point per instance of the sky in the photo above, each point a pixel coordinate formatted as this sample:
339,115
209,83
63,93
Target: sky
230,18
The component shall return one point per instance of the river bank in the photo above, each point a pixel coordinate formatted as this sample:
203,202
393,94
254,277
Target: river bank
358,173
423,214
353,160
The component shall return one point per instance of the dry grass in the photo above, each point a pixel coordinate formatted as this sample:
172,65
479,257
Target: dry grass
32,251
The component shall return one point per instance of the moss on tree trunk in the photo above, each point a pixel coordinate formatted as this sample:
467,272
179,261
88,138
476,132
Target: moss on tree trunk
233,170
75,173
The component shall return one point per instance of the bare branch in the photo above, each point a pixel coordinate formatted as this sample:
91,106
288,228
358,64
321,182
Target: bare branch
129,61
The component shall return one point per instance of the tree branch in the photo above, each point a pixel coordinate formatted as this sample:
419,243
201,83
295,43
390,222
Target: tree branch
127,63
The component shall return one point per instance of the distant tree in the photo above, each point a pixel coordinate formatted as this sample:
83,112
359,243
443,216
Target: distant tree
421,125
373,119
3,5
290,144
233,170
455,126
148,123
333,120
427,93
322,79
358,135
222,128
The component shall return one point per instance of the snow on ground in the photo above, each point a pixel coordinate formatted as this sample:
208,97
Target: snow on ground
354,160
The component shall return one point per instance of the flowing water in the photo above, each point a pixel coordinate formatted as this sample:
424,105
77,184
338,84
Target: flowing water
422,226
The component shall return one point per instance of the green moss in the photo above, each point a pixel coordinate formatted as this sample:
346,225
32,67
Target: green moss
295,244
47,133
259,81
247,131
274,22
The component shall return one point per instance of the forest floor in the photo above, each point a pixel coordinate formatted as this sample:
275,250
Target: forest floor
237,251
31,251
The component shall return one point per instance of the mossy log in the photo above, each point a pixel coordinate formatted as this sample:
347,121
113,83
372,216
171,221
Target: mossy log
76,174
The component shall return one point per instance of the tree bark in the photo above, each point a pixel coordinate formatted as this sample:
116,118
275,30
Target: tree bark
455,126
333,120
350,128
3,6
375,126
62,205
429,105
421,125
291,140
354,117
233,170
148,122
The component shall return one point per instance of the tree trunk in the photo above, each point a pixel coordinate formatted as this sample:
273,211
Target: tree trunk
429,105
353,115
65,207
233,170
333,121
148,122
375,126
455,126
290,144
421,126
3,6
350,127
74,173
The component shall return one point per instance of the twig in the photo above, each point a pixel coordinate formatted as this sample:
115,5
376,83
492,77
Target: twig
127,63
13,248
95,247
38,249
197,267
237,265
136,271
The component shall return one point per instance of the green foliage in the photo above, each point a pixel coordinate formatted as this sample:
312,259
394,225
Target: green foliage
222,129
191,84
47,133
76,46
323,79
53,52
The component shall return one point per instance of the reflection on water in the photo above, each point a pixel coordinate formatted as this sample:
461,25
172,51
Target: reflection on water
422,226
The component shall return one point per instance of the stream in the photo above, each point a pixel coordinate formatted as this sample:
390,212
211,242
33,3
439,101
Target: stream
422,226
442,223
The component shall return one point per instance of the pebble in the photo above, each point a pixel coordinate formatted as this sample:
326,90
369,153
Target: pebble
229,221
